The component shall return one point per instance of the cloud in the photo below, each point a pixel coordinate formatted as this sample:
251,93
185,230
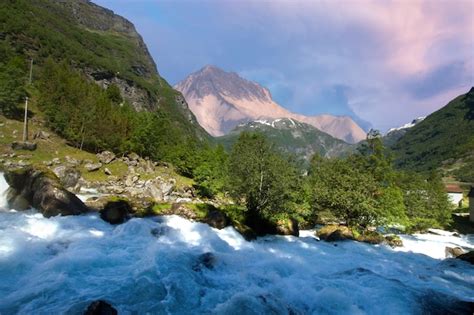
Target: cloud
384,61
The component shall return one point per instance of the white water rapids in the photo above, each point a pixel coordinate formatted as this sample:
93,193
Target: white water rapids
59,265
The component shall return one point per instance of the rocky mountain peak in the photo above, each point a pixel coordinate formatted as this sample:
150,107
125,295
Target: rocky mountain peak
222,100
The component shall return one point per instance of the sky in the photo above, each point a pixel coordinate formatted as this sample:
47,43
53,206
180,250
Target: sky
383,62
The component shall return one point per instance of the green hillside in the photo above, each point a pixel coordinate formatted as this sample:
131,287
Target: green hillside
444,140
90,45
291,137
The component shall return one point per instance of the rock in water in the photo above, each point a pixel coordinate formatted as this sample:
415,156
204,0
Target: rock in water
288,227
41,189
68,176
453,251
116,212
216,219
469,257
335,233
100,308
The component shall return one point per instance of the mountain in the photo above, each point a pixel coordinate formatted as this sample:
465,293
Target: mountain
443,140
222,100
394,134
103,46
290,136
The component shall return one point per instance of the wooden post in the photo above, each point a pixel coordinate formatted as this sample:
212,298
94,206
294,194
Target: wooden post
25,123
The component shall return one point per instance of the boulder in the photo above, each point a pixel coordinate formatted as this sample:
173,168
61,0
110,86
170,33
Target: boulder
100,307
92,167
43,135
469,257
30,146
107,171
371,237
106,157
116,212
393,241
133,157
68,176
216,219
206,260
335,233
72,161
41,189
453,252
288,227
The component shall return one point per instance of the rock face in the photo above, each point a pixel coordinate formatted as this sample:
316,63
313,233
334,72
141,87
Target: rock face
68,176
100,308
222,100
41,189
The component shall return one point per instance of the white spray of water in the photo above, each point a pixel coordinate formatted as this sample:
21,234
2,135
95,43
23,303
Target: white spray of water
59,265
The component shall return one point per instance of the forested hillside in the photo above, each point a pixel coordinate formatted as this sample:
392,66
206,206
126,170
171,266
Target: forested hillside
92,73
444,139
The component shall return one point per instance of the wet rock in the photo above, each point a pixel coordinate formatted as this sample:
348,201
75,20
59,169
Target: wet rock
116,212
100,307
216,219
92,167
106,157
371,237
393,241
206,260
469,257
288,227
42,190
30,146
335,233
453,252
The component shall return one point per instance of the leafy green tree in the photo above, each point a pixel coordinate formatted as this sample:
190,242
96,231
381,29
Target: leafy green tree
260,178
345,190
210,174
12,82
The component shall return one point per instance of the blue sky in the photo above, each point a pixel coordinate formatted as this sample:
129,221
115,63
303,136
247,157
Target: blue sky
385,62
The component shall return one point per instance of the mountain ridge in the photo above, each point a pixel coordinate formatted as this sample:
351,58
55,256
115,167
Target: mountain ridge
221,100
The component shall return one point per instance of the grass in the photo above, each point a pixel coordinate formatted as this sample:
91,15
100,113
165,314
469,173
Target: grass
56,147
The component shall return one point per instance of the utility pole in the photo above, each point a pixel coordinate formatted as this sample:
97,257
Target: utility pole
25,124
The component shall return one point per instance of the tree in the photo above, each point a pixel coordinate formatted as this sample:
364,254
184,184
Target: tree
12,84
259,177
344,190
210,174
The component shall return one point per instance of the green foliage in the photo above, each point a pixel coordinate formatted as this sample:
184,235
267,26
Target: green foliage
260,178
447,134
12,80
210,174
426,203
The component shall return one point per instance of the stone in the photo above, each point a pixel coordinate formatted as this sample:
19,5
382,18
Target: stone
68,176
72,161
133,157
107,171
288,227
469,257
43,135
100,307
56,161
393,241
116,212
216,219
17,145
92,167
106,157
206,260
335,233
42,190
453,252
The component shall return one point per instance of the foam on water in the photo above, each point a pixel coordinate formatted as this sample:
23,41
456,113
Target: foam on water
61,264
